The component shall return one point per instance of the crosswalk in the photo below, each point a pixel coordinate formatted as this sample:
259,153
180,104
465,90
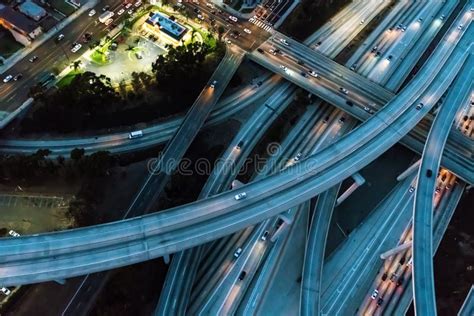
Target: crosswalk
261,24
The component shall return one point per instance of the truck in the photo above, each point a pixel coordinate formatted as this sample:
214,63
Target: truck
105,16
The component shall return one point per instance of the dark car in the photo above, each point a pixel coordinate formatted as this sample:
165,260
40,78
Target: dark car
261,51
242,275
349,103
384,276
400,282
429,173
303,74
240,144
379,301
402,260
107,7
18,77
300,62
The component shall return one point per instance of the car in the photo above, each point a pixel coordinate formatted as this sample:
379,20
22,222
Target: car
393,277
460,26
77,47
374,49
240,196
437,190
247,31
411,189
380,301
390,29
131,11
350,103
92,12
442,17
60,37
139,55
404,28
362,22
265,235
128,5
375,293
419,106
283,67
5,291
18,77
378,53
261,51
106,8
326,119
304,74
240,144
242,275
297,157
109,21
313,74
237,252
399,282
284,41
228,42
402,260
420,20
33,59
353,67
343,90
300,62
120,12
213,84
200,17
384,276
7,78
342,120
389,57
13,233
233,18
137,4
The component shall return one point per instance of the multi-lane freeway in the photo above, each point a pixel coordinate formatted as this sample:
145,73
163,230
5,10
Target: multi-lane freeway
47,256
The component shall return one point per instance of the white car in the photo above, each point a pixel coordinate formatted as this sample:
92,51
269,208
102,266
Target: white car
411,189
247,31
284,41
5,291
362,21
13,233
240,196
92,12
128,5
7,78
109,21
419,106
233,18
343,90
265,235
374,294
200,17
298,157
121,11
137,4
76,48
313,74
213,84
237,252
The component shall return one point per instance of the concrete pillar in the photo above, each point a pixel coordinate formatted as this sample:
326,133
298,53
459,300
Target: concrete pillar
167,259
359,180
396,250
279,231
409,171
60,281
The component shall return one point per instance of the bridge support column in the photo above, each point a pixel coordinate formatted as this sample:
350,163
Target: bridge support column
167,259
396,250
236,184
409,171
60,281
359,180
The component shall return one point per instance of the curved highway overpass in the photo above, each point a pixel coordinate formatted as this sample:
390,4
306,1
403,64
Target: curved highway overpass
423,275
43,257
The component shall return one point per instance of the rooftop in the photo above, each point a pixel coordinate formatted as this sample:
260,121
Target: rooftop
167,25
17,19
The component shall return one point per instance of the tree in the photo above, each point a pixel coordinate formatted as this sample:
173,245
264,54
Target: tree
220,31
77,154
76,65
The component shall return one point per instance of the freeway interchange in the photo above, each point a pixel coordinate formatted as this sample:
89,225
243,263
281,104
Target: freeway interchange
31,259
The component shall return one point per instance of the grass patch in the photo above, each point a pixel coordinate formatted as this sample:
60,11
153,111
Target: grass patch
63,7
8,45
66,80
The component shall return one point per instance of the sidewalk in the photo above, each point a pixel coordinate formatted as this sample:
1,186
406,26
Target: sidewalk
8,63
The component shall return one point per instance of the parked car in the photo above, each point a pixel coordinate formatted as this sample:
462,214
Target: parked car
240,196
5,291
92,12
7,78
33,59
237,252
